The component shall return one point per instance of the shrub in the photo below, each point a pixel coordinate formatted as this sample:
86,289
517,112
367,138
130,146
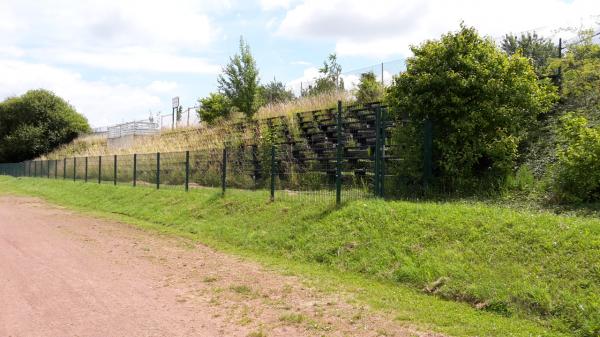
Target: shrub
481,102
36,123
369,89
577,171
213,107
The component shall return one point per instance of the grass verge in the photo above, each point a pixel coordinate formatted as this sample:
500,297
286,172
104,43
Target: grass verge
488,270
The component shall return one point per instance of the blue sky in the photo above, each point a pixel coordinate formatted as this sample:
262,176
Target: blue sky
122,60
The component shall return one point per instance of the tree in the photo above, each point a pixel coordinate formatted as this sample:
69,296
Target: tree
239,81
275,92
369,89
213,107
482,103
537,49
330,79
36,123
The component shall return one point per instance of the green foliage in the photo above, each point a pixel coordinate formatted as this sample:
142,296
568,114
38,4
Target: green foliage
239,81
214,107
330,79
36,123
577,171
510,264
537,49
369,89
580,68
482,104
275,92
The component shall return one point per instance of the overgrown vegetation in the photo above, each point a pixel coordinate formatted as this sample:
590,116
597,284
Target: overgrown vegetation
480,102
36,123
496,113
507,265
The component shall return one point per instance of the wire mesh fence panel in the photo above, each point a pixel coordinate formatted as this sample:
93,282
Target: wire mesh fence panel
59,169
68,168
79,167
51,164
206,168
335,154
124,169
172,169
107,169
93,166
246,168
146,169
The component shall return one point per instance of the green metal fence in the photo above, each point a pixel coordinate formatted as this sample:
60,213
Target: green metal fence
339,154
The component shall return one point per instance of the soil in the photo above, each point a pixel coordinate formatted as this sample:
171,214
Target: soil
67,274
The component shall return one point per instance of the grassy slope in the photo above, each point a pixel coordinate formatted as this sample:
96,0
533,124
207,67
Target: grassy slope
521,266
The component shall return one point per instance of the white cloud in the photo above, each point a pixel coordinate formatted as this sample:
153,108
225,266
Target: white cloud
303,81
102,103
134,59
97,23
381,28
137,35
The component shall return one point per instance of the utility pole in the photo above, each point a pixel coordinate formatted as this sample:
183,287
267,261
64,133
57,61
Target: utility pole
560,48
175,107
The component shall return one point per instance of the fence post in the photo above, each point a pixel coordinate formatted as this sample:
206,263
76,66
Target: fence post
427,153
338,159
64,168
74,168
187,167
272,172
48,168
134,169
86,170
224,170
56,169
115,170
99,169
382,136
377,152
157,170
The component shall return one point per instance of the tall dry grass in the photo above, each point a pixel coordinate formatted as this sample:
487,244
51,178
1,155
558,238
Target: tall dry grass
236,130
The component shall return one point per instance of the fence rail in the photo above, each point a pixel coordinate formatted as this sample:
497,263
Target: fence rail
340,154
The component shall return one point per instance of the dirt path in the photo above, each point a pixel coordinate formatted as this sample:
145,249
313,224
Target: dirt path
65,274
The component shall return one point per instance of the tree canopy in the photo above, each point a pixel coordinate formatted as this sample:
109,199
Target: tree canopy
275,92
213,107
481,102
369,88
36,123
537,49
239,81
330,78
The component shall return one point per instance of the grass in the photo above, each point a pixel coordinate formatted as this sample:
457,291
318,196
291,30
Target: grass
200,137
459,268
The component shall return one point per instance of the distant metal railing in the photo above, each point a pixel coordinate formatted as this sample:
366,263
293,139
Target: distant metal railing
133,128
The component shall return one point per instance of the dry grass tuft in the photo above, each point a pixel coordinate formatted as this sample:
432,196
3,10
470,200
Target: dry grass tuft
201,137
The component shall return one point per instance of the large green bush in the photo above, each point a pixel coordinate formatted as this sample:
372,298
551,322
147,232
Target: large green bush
213,108
481,102
577,171
36,123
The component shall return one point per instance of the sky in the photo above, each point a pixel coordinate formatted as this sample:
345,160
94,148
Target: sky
123,60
